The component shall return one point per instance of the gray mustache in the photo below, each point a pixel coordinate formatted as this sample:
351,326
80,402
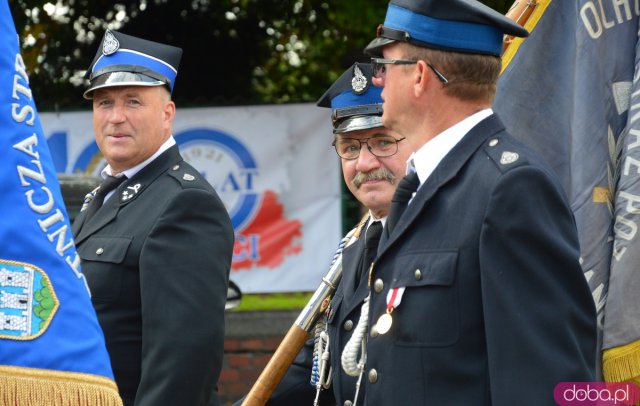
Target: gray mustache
378,174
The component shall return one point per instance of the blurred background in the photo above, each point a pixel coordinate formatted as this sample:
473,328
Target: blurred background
236,52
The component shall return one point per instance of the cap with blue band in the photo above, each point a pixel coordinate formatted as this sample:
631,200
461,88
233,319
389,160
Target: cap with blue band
349,98
124,60
466,26
355,104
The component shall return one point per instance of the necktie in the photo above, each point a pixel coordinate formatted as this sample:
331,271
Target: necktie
372,237
407,186
107,185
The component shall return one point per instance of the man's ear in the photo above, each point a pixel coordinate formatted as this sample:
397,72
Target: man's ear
169,110
421,78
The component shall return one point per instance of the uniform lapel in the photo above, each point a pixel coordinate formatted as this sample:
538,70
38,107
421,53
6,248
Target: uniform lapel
77,224
351,258
102,217
444,172
350,262
131,188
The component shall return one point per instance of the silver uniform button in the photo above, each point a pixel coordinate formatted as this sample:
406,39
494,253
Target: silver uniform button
176,167
348,403
418,274
374,332
493,142
348,325
373,375
378,285
99,251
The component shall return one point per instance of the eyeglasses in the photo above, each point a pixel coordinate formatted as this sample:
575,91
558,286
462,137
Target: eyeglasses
380,146
380,70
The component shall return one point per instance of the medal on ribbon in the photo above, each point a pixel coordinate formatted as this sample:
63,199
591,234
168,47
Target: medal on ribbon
384,323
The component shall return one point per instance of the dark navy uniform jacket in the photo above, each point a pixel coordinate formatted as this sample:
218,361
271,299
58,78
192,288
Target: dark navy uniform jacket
295,387
496,309
157,265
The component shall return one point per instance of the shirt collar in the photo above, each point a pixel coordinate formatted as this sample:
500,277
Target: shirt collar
426,159
373,218
170,142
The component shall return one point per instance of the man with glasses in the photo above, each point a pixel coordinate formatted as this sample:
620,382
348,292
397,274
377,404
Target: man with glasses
373,160
484,301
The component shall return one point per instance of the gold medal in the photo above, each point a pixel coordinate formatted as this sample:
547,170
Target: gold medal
384,323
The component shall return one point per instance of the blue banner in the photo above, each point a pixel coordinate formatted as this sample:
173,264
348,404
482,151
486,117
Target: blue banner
52,350
565,91
621,343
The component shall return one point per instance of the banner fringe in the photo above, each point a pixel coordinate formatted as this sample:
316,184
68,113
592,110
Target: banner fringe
622,364
33,386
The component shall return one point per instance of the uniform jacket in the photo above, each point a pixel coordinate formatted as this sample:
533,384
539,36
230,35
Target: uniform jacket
496,309
157,257
343,315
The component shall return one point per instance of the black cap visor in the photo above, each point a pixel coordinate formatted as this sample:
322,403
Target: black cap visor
374,48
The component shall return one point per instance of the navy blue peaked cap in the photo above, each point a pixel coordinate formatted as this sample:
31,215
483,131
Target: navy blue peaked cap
124,60
452,25
355,103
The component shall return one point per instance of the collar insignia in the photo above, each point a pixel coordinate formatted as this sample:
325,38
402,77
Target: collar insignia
359,81
509,157
130,192
110,44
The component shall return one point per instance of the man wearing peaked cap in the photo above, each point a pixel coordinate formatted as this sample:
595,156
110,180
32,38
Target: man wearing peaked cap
483,299
354,103
455,25
155,240
373,159
125,60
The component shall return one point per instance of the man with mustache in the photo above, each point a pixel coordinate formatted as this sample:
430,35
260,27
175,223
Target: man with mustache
373,159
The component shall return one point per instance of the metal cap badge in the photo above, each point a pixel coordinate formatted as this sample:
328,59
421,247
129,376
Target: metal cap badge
355,104
124,60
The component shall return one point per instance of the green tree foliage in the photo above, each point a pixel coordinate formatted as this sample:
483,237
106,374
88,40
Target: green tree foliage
235,51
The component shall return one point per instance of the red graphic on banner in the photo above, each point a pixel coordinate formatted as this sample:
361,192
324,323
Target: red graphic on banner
268,239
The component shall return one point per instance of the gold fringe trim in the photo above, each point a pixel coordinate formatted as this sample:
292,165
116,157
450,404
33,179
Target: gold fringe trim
21,386
622,364
514,46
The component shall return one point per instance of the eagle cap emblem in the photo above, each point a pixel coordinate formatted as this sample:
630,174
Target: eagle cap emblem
110,44
358,81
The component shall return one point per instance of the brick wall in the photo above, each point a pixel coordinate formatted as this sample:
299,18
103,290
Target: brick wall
251,339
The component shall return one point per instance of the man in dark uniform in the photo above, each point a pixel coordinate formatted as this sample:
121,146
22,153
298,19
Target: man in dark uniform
373,159
484,300
157,252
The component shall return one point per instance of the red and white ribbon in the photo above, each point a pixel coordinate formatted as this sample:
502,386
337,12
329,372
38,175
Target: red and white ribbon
394,297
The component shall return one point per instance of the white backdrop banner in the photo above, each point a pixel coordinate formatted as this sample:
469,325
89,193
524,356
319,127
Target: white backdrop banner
275,170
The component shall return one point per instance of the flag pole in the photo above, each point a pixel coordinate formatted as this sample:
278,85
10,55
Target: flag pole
520,12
